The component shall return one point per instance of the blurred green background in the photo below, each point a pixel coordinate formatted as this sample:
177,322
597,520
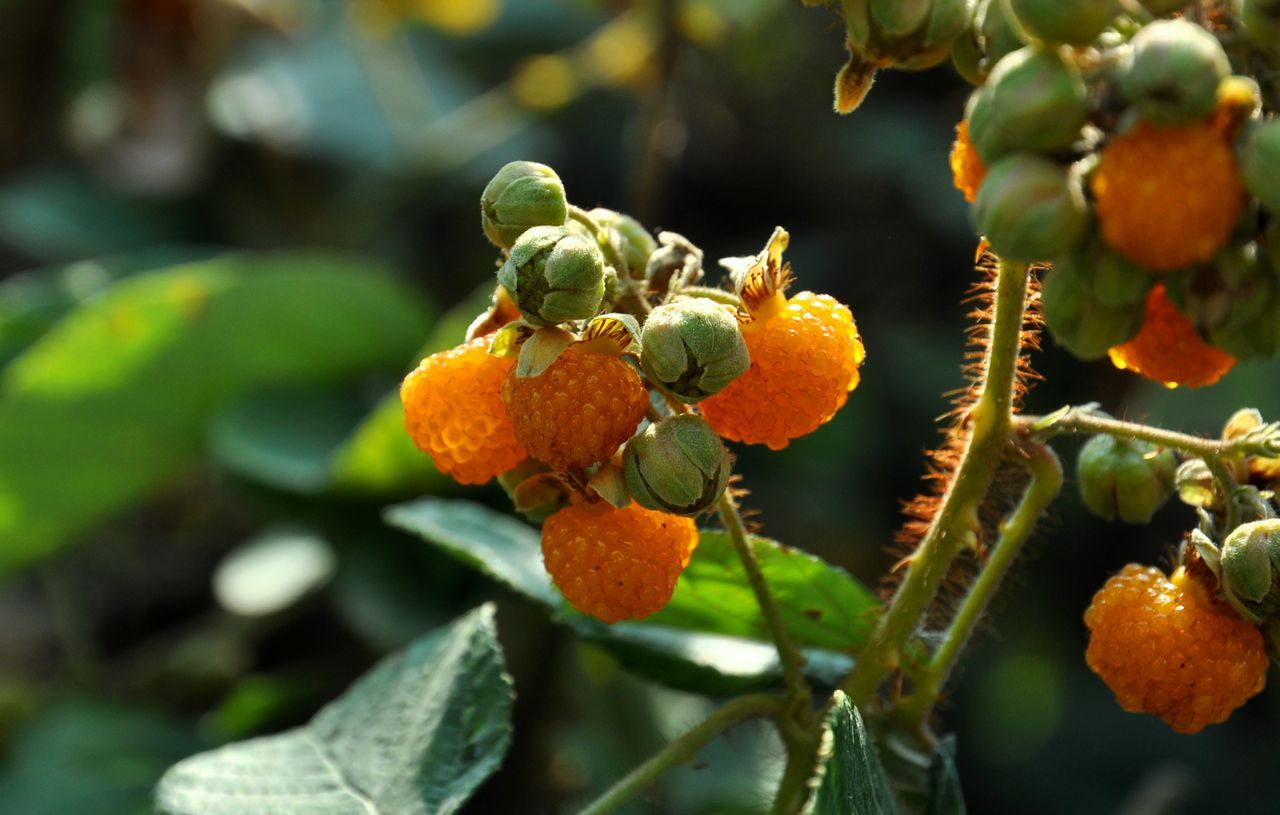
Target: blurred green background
227,227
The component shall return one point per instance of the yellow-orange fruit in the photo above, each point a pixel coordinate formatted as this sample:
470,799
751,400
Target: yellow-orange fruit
1163,648
454,413
804,362
967,169
1168,349
1168,197
578,411
616,564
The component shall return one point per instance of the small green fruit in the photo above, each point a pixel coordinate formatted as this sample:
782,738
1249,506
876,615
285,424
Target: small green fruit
1031,209
1250,558
1261,164
1128,480
554,276
693,347
1037,101
678,465
1074,22
629,236
1079,321
1177,67
521,195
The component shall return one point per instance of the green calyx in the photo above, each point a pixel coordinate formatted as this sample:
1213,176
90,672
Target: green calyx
678,465
1094,300
693,347
908,34
1260,164
1176,69
1249,558
628,236
1074,22
554,276
1034,99
522,194
1031,209
1123,479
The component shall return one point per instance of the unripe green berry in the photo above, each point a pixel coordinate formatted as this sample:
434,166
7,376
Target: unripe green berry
632,240
521,195
1261,164
1177,66
1037,101
1031,209
1075,22
1250,556
1261,21
693,347
1079,321
678,465
1123,479
554,275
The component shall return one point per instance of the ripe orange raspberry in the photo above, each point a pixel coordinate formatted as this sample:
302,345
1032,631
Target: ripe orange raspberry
453,412
578,411
1168,349
967,169
616,564
804,361
1168,197
1163,647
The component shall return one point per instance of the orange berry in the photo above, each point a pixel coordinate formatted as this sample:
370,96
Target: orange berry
578,411
1168,197
616,564
967,169
1164,648
453,412
1168,349
804,362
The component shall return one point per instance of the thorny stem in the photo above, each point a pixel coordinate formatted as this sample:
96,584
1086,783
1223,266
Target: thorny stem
956,523
1046,481
685,748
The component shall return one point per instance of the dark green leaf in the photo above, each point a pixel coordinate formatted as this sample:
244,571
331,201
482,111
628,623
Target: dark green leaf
115,399
851,780
415,736
88,758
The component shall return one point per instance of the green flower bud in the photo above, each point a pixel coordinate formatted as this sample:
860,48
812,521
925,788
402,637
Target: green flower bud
1261,164
1261,21
1176,69
1031,209
1128,480
521,195
554,276
1250,557
1080,322
678,465
693,347
1245,303
911,35
1075,22
629,236
1034,100
1118,281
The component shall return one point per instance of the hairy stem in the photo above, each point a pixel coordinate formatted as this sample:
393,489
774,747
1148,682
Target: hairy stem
685,748
799,698
1046,481
1086,419
956,523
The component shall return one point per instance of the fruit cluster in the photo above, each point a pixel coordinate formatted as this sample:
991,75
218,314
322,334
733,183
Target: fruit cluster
1133,152
600,384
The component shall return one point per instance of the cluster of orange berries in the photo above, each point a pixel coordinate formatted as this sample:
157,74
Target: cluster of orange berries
600,383
1120,147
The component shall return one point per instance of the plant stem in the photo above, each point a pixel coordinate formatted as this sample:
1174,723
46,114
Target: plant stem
1087,420
799,697
956,523
1046,481
685,748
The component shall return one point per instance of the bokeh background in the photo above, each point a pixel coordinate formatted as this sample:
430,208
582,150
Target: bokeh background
190,543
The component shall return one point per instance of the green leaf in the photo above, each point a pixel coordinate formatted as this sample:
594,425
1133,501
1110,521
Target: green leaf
83,757
114,400
415,736
822,606
851,780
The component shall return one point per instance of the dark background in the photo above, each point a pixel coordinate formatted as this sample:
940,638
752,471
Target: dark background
190,127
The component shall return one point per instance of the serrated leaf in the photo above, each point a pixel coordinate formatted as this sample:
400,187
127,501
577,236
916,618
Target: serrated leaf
850,779
115,399
414,736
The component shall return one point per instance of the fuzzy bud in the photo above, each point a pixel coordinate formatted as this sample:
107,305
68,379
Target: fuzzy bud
629,236
554,276
1122,479
1176,69
1031,209
678,465
911,35
1074,22
521,195
1249,560
693,347
1034,99
1080,321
